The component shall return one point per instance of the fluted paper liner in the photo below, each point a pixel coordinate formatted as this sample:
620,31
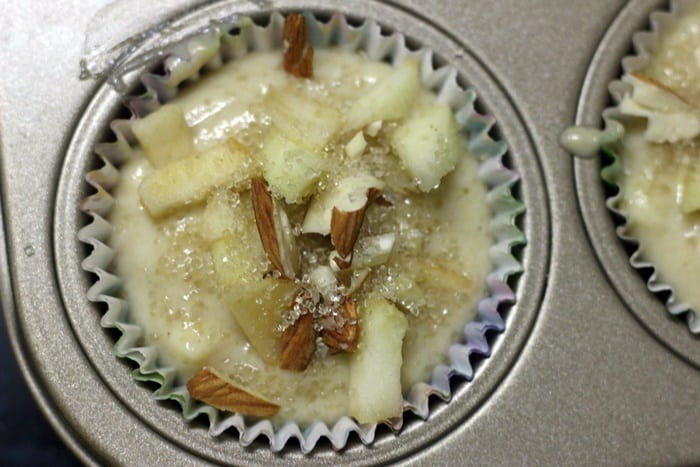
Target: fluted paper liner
208,50
644,45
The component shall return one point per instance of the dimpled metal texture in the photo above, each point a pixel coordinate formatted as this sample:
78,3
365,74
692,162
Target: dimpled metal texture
590,369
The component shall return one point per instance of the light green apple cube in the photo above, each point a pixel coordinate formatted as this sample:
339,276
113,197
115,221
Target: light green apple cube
164,136
375,368
389,99
190,180
428,144
308,123
290,170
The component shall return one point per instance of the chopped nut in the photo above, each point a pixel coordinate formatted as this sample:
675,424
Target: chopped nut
298,54
339,263
348,194
298,344
345,228
341,331
218,391
275,231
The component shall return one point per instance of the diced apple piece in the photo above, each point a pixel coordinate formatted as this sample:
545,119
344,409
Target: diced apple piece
690,199
403,290
375,368
164,136
226,213
192,344
257,303
303,120
348,194
669,117
437,277
290,170
239,262
389,99
261,317
190,180
428,144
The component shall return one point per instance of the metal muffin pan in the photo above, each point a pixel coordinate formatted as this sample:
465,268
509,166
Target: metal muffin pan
575,378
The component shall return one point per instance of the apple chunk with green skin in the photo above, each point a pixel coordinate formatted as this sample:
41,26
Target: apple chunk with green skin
190,180
389,99
290,170
428,144
164,135
308,123
375,368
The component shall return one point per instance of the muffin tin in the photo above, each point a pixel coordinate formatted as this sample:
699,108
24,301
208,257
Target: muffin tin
590,363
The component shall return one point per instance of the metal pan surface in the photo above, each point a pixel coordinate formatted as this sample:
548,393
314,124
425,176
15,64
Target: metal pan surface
590,370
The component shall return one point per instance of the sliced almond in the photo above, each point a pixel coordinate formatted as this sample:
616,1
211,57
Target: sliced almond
298,344
341,331
275,231
208,386
345,228
298,54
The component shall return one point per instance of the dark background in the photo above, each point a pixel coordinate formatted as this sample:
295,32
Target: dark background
26,438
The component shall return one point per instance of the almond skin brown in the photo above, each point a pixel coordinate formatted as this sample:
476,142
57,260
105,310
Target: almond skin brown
343,336
280,246
298,57
345,228
298,344
214,389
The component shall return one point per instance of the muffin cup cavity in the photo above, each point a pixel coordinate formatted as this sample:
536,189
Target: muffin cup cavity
645,44
222,44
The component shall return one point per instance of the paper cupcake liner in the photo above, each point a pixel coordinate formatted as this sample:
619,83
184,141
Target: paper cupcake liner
210,49
644,45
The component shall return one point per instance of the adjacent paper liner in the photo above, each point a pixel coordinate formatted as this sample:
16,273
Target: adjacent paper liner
210,49
644,45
